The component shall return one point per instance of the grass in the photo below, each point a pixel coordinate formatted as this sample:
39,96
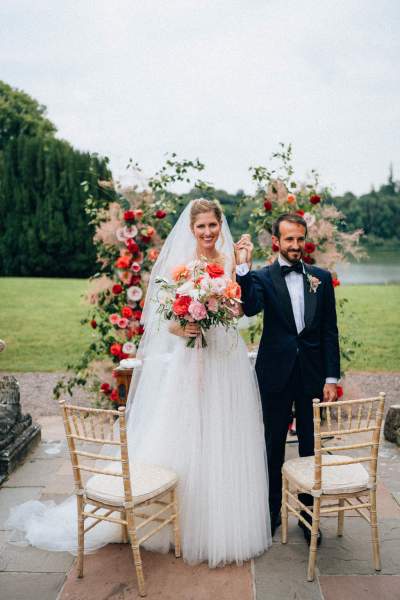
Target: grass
39,320
372,317
40,323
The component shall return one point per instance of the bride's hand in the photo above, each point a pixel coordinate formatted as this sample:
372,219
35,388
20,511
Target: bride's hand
190,330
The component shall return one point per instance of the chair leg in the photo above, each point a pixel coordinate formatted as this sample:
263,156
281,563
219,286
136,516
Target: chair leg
81,534
135,551
340,525
374,531
125,536
284,510
175,523
314,539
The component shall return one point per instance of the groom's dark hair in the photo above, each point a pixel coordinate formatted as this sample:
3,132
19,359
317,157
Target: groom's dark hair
290,218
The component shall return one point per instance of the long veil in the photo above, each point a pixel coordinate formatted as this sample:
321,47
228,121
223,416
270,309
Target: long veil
157,343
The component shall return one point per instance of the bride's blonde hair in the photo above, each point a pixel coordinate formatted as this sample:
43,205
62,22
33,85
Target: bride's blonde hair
202,205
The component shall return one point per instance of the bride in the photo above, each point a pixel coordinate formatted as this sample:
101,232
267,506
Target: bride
194,410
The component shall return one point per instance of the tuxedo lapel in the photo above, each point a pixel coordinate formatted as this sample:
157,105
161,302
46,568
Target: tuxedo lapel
310,299
282,293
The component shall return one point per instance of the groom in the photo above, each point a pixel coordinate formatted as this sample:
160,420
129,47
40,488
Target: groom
298,357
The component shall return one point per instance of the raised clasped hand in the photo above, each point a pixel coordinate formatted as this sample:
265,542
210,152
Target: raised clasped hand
244,250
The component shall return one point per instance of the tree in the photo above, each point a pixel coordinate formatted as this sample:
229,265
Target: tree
21,115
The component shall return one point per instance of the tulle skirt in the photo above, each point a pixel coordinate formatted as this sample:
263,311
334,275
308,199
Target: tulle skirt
196,411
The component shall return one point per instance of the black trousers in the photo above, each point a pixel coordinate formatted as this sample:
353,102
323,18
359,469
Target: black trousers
277,409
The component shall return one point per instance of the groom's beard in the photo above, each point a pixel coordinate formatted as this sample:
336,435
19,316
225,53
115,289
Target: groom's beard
291,256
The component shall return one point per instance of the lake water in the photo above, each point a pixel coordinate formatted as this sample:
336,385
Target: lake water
379,268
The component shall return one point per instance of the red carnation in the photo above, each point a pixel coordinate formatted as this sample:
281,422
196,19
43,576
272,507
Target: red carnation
339,391
93,323
145,239
308,259
140,330
315,199
135,279
181,305
127,312
335,282
137,315
160,214
309,247
275,247
114,396
268,205
214,270
116,289
105,388
300,213
132,246
129,215
115,349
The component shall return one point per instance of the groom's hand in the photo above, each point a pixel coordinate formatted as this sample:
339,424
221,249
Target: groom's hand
244,250
330,392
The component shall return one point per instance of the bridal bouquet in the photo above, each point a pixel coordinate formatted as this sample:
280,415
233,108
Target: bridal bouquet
199,292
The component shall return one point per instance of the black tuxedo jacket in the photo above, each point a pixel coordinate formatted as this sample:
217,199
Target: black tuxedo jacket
316,347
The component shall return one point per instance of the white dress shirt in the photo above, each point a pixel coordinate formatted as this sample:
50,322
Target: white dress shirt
295,286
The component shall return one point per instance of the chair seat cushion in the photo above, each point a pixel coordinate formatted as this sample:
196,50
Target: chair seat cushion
147,481
342,479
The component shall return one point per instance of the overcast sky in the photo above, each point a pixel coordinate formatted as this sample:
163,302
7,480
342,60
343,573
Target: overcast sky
224,80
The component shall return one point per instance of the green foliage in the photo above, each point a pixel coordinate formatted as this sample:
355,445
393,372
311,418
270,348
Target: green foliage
21,115
376,213
44,230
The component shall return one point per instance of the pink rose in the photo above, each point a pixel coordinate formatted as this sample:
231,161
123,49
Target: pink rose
197,310
114,318
123,322
212,305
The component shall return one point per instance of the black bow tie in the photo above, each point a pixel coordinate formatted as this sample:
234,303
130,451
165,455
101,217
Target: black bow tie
296,267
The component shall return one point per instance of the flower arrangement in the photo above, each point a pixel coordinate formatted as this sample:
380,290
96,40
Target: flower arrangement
129,232
199,292
277,192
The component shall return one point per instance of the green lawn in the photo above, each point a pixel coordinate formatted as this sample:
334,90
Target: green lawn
39,320
373,317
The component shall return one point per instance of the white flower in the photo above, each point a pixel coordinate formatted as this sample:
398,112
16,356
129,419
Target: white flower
218,285
309,219
129,348
134,293
185,288
130,231
120,234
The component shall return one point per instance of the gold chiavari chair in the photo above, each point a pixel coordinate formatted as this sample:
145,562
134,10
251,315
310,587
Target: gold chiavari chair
134,496
332,477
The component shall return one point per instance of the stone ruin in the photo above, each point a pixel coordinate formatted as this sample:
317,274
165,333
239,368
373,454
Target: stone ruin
17,432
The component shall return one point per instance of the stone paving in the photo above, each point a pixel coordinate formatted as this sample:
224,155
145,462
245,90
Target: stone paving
344,565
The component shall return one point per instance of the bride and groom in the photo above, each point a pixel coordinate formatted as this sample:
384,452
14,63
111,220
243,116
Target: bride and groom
204,413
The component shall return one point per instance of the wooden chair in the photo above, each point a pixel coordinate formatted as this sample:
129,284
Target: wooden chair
115,487
329,476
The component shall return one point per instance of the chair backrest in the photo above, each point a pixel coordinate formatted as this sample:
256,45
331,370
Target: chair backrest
105,430
348,417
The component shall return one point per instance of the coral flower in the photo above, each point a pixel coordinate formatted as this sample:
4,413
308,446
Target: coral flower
233,290
123,262
153,254
291,198
180,272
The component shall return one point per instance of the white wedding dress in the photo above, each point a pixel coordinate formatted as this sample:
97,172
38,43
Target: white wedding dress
196,411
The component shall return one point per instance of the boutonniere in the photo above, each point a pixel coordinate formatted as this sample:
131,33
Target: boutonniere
313,282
